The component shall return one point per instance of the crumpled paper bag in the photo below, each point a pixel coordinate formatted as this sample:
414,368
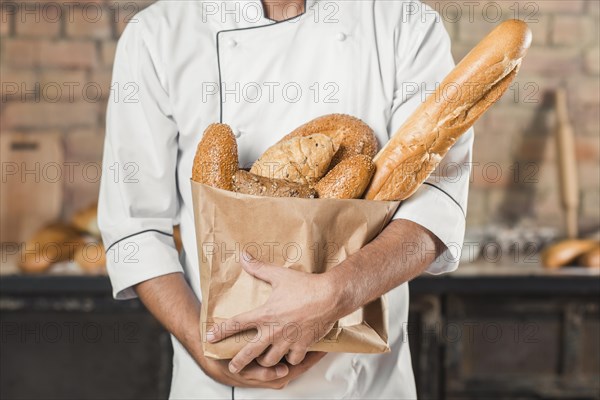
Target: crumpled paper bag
311,235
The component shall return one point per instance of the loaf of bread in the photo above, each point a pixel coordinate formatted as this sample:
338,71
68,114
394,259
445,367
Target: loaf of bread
51,244
302,159
216,159
249,183
591,258
353,135
465,94
348,179
566,252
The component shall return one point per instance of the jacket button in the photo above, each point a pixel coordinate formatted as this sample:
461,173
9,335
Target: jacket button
341,36
231,43
237,133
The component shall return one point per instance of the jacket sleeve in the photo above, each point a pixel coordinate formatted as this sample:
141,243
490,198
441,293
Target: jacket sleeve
138,202
423,59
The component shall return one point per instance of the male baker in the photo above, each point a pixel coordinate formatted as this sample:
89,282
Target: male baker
265,67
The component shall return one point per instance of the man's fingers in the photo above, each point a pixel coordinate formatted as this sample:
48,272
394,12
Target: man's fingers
273,355
257,373
246,356
296,356
260,270
239,323
311,358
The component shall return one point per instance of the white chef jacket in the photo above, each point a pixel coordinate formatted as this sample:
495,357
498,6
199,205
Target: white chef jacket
181,66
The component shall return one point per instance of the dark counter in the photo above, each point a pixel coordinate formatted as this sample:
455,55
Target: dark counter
476,333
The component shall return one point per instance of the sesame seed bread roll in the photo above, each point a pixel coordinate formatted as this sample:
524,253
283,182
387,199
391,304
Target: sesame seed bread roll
216,159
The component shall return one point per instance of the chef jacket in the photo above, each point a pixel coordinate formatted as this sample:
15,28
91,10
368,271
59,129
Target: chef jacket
181,66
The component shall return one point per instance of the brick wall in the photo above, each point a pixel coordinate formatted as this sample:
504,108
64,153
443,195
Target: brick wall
50,47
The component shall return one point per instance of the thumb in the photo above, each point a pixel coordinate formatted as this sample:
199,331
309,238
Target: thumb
260,270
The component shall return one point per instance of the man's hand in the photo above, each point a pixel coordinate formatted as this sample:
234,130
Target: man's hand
303,307
171,300
257,376
301,310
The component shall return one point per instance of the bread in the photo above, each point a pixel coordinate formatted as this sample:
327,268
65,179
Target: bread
591,258
249,183
300,159
91,257
348,179
51,244
353,135
464,95
86,220
565,252
216,159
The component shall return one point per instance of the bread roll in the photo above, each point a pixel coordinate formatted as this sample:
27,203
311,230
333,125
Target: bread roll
353,135
470,89
565,252
300,159
348,179
216,159
51,244
591,258
86,220
91,257
249,183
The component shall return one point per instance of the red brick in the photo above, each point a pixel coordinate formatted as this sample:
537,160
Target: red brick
34,19
125,13
20,53
89,21
101,79
47,115
592,60
549,61
593,7
584,90
68,54
6,21
109,48
62,85
572,30
19,80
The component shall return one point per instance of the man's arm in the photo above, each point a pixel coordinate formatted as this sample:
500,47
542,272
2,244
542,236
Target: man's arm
171,301
400,253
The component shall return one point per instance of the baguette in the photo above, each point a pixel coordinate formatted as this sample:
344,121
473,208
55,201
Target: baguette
354,136
249,183
216,159
348,179
465,94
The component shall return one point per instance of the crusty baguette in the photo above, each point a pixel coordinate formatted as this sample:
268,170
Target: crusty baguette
249,183
216,159
565,252
348,179
353,135
465,94
300,159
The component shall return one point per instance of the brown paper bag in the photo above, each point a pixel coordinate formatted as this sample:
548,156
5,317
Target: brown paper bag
311,235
